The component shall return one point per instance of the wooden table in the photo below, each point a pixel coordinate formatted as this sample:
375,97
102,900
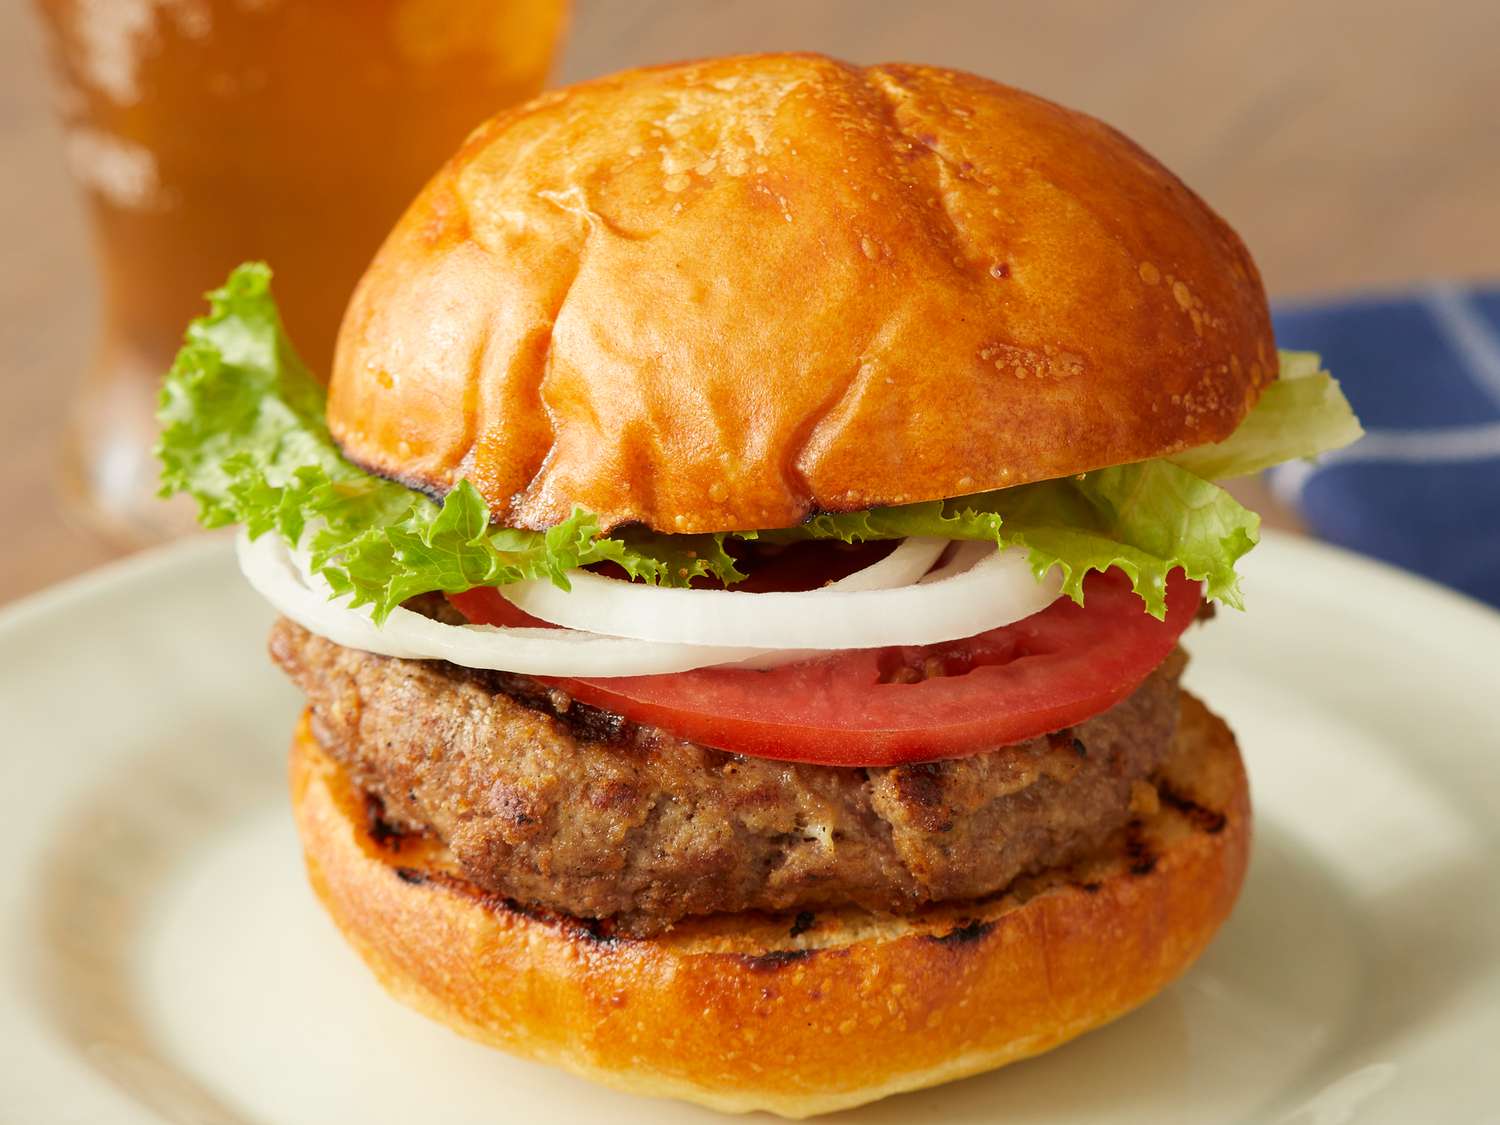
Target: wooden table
1352,144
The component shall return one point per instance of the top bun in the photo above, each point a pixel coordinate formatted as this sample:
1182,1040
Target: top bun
726,294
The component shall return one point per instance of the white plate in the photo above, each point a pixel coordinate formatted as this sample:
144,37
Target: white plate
162,960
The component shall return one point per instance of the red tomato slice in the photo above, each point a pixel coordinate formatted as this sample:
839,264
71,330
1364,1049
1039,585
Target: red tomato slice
882,707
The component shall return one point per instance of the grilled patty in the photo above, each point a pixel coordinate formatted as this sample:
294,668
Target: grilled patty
559,805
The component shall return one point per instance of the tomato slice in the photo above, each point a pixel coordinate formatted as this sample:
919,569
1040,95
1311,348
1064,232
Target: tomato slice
882,707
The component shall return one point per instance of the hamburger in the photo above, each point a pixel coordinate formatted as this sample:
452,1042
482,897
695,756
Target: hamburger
736,574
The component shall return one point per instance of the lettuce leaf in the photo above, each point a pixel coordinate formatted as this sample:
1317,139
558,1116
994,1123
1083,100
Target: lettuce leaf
1302,414
243,431
1147,519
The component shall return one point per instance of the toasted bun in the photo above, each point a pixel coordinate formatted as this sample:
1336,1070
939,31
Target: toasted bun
742,1012
722,295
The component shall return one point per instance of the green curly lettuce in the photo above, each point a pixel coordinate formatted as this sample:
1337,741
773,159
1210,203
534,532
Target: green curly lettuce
1302,414
243,432
1147,519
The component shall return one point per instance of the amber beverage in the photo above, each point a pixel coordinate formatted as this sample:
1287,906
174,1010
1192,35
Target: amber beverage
206,132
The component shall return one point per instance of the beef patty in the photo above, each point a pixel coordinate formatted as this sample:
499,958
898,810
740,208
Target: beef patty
556,804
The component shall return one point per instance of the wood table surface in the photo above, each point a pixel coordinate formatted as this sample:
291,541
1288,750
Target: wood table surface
1352,144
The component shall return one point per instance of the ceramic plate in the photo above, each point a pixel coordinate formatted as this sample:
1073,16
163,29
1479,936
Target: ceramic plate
162,959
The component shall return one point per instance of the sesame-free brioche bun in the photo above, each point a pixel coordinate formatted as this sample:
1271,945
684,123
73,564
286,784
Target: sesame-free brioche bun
794,1015
725,294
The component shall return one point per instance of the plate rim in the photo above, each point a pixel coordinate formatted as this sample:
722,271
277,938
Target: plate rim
1349,581
22,611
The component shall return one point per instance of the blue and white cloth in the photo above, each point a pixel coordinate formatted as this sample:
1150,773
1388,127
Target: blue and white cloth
1422,488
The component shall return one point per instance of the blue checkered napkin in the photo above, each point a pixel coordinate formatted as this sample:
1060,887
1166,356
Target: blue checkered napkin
1422,488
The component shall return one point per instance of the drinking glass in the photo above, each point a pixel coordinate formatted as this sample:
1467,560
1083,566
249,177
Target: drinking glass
207,132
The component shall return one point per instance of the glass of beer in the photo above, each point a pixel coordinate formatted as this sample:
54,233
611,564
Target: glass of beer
207,132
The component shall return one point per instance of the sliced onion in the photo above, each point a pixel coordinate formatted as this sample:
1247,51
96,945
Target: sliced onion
958,556
976,589
964,555
306,599
996,590
911,559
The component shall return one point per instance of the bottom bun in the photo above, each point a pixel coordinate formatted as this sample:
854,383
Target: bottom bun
795,1014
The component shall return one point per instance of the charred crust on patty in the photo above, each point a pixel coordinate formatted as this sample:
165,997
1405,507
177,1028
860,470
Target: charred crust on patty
582,720
560,807
920,787
456,951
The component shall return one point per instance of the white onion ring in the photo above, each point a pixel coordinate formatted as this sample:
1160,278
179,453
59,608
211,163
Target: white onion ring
965,554
976,589
995,591
911,559
306,599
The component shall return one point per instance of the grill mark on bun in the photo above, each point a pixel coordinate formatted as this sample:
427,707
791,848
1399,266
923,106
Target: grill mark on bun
963,935
1142,858
683,1012
383,833
774,960
804,921
1203,819
1134,846
596,931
